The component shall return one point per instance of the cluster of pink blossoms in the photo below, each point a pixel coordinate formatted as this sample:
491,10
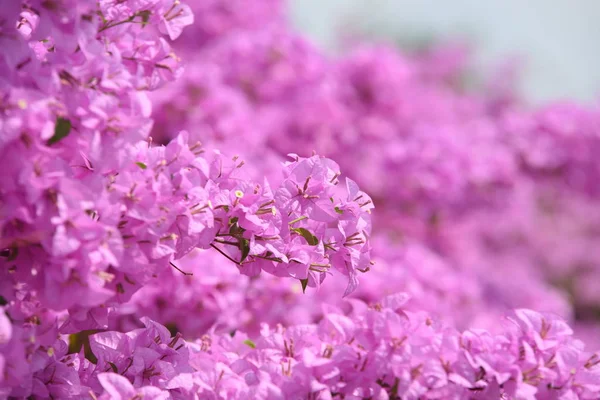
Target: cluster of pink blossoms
380,351
147,182
92,211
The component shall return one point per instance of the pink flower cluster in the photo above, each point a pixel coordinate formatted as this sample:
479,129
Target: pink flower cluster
384,352
146,184
378,351
91,211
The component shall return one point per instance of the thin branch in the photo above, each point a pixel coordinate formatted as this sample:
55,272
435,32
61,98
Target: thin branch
227,242
183,272
224,254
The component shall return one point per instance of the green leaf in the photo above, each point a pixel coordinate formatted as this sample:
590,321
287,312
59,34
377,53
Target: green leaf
338,210
82,339
141,165
307,235
75,343
304,283
87,351
61,130
250,343
244,248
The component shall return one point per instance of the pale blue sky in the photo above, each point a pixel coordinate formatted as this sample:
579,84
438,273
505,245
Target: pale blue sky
559,37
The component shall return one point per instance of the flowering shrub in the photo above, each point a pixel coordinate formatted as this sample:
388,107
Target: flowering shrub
151,215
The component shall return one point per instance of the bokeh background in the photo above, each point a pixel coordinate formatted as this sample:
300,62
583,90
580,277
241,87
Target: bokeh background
557,41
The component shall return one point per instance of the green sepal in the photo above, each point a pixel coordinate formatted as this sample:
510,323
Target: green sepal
244,248
304,283
145,17
113,367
